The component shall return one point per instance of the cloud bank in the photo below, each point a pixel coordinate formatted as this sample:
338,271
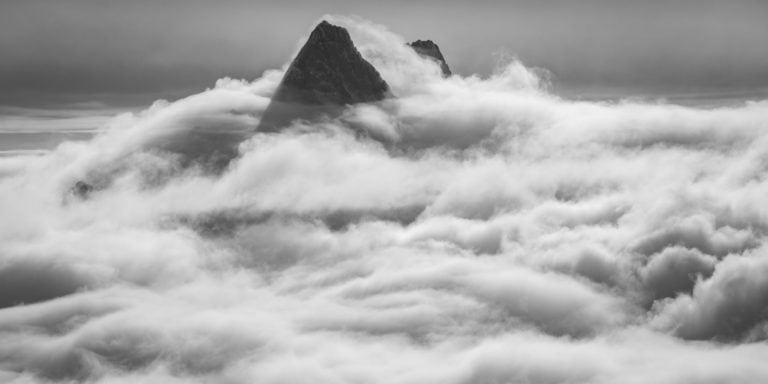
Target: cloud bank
468,230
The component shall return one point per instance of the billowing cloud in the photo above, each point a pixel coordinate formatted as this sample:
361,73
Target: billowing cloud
466,230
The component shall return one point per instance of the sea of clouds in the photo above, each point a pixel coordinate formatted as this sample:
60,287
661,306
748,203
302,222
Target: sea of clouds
466,230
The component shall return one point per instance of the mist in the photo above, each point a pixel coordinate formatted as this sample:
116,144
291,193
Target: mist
468,229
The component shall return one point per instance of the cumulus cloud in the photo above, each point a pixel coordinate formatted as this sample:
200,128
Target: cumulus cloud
465,230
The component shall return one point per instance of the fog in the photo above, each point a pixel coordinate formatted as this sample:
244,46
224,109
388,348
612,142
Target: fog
469,229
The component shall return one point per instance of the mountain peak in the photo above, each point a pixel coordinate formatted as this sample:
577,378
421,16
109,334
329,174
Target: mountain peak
327,74
329,70
429,49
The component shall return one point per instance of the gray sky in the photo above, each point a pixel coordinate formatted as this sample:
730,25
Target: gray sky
55,50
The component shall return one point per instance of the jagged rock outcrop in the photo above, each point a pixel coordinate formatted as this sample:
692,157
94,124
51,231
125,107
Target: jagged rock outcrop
327,73
330,70
428,48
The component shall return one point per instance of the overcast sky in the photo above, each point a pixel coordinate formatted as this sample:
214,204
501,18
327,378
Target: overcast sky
87,49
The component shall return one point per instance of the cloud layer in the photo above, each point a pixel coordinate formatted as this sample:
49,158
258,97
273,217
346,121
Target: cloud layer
468,230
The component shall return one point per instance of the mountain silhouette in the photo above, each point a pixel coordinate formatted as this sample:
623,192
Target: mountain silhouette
428,48
327,74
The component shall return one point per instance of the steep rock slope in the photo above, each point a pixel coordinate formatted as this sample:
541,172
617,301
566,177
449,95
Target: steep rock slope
428,48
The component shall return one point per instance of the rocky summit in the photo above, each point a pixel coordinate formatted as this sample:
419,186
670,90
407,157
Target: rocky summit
327,74
330,70
427,48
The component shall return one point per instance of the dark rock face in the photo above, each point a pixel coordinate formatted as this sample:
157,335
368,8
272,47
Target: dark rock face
428,48
327,74
330,70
